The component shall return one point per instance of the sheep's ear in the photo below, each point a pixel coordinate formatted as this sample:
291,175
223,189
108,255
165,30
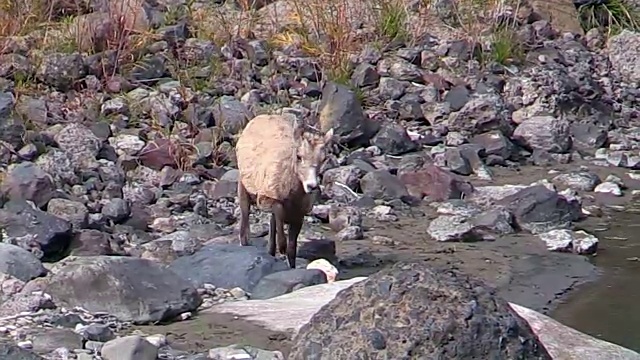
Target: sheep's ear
328,136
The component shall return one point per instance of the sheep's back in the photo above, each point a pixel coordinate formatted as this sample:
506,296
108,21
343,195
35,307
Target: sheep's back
266,155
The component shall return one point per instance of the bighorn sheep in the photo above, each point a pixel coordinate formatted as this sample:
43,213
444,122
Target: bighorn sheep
278,164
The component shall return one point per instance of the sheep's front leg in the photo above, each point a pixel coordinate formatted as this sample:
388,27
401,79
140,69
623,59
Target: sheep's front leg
278,214
245,206
272,235
292,245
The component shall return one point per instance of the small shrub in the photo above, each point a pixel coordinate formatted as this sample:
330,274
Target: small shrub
614,15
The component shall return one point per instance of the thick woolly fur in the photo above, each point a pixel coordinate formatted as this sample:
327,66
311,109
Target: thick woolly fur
266,155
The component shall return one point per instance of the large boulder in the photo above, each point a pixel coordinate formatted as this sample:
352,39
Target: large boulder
413,311
131,289
228,266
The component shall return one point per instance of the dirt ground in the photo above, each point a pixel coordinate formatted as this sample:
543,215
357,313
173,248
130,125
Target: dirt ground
519,266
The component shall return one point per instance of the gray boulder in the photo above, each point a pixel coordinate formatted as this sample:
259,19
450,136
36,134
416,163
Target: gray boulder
131,289
32,228
20,263
228,266
284,282
414,311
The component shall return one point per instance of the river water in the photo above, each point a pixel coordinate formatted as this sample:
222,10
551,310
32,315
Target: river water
609,308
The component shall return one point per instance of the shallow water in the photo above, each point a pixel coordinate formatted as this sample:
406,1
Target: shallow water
609,308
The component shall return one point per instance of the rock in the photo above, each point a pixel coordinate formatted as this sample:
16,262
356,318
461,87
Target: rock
563,342
453,228
231,114
495,143
562,15
96,332
47,340
27,181
91,243
409,309
129,348
288,313
130,289
12,352
381,184
76,213
583,180
494,221
326,267
32,228
341,110
579,242
227,266
348,175
608,188
243,352
623,54
283,282
537,209
436,183
482,113
20,263
393,140
79,142
343,217
544,133
116,210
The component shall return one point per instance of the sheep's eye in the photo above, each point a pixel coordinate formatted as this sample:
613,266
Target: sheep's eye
298,157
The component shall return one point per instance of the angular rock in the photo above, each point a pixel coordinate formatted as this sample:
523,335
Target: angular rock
243,352
544,133
32,228
381,184
284,282
27,181
393,140
20,263
407,310
132,347
13,352
128,288
579,242
582,180
538,209
453,228
74,212
227,266
341,110
91,243
436,183
624,52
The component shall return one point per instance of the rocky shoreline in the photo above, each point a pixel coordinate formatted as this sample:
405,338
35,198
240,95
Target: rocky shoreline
118,178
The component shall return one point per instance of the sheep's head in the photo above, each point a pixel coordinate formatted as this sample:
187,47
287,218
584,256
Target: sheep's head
311,154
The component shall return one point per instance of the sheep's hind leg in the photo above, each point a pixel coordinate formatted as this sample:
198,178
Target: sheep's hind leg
245,206
292,246
277,212
272,235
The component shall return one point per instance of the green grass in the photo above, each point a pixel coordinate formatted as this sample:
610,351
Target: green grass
612,15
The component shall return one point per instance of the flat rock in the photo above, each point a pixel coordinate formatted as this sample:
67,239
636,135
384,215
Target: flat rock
131,289
228,266
283,282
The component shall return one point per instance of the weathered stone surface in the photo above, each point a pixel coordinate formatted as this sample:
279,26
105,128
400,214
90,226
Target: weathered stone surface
131,289
408,310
